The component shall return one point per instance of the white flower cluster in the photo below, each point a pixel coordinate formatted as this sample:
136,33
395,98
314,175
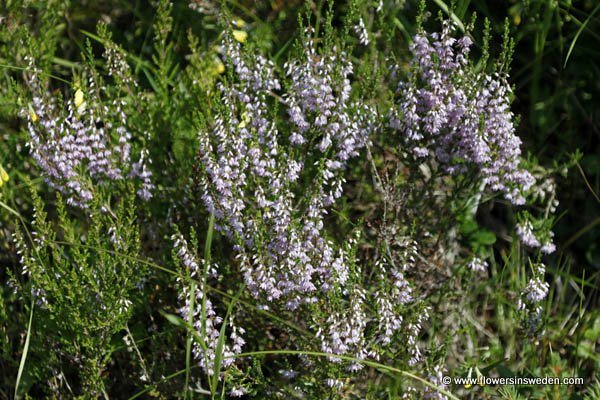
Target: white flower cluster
204,318
531,297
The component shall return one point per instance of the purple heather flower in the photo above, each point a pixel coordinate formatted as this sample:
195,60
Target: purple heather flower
237,392
435,377
477,264
75,146
531,297
361,32
250,175
209,329
335,383
525,232
460,118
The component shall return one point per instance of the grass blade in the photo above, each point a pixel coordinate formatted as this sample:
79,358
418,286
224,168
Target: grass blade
188,342
11,210
209,238
579,31
207,247
448,10
25,351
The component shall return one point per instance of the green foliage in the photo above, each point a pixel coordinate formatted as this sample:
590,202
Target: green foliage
82,285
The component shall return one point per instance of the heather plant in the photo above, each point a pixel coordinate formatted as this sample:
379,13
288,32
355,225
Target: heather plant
76,147
457,147
458,117
340,278
81,287
290,256
249,183
282,200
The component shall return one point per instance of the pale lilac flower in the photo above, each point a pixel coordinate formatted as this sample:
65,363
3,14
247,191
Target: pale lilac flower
345,332
531,297
548,247
250,174
536,290
75,145
525,232
335,383
435,377
237,392
477,264
208,329
414,329
460,118
288,374
361,32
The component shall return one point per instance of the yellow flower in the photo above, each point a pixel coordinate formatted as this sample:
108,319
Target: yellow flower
3,176
240,23
78,98
515,13
32,114
245,120
480,378
517,19
240,36
468,385
219,67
